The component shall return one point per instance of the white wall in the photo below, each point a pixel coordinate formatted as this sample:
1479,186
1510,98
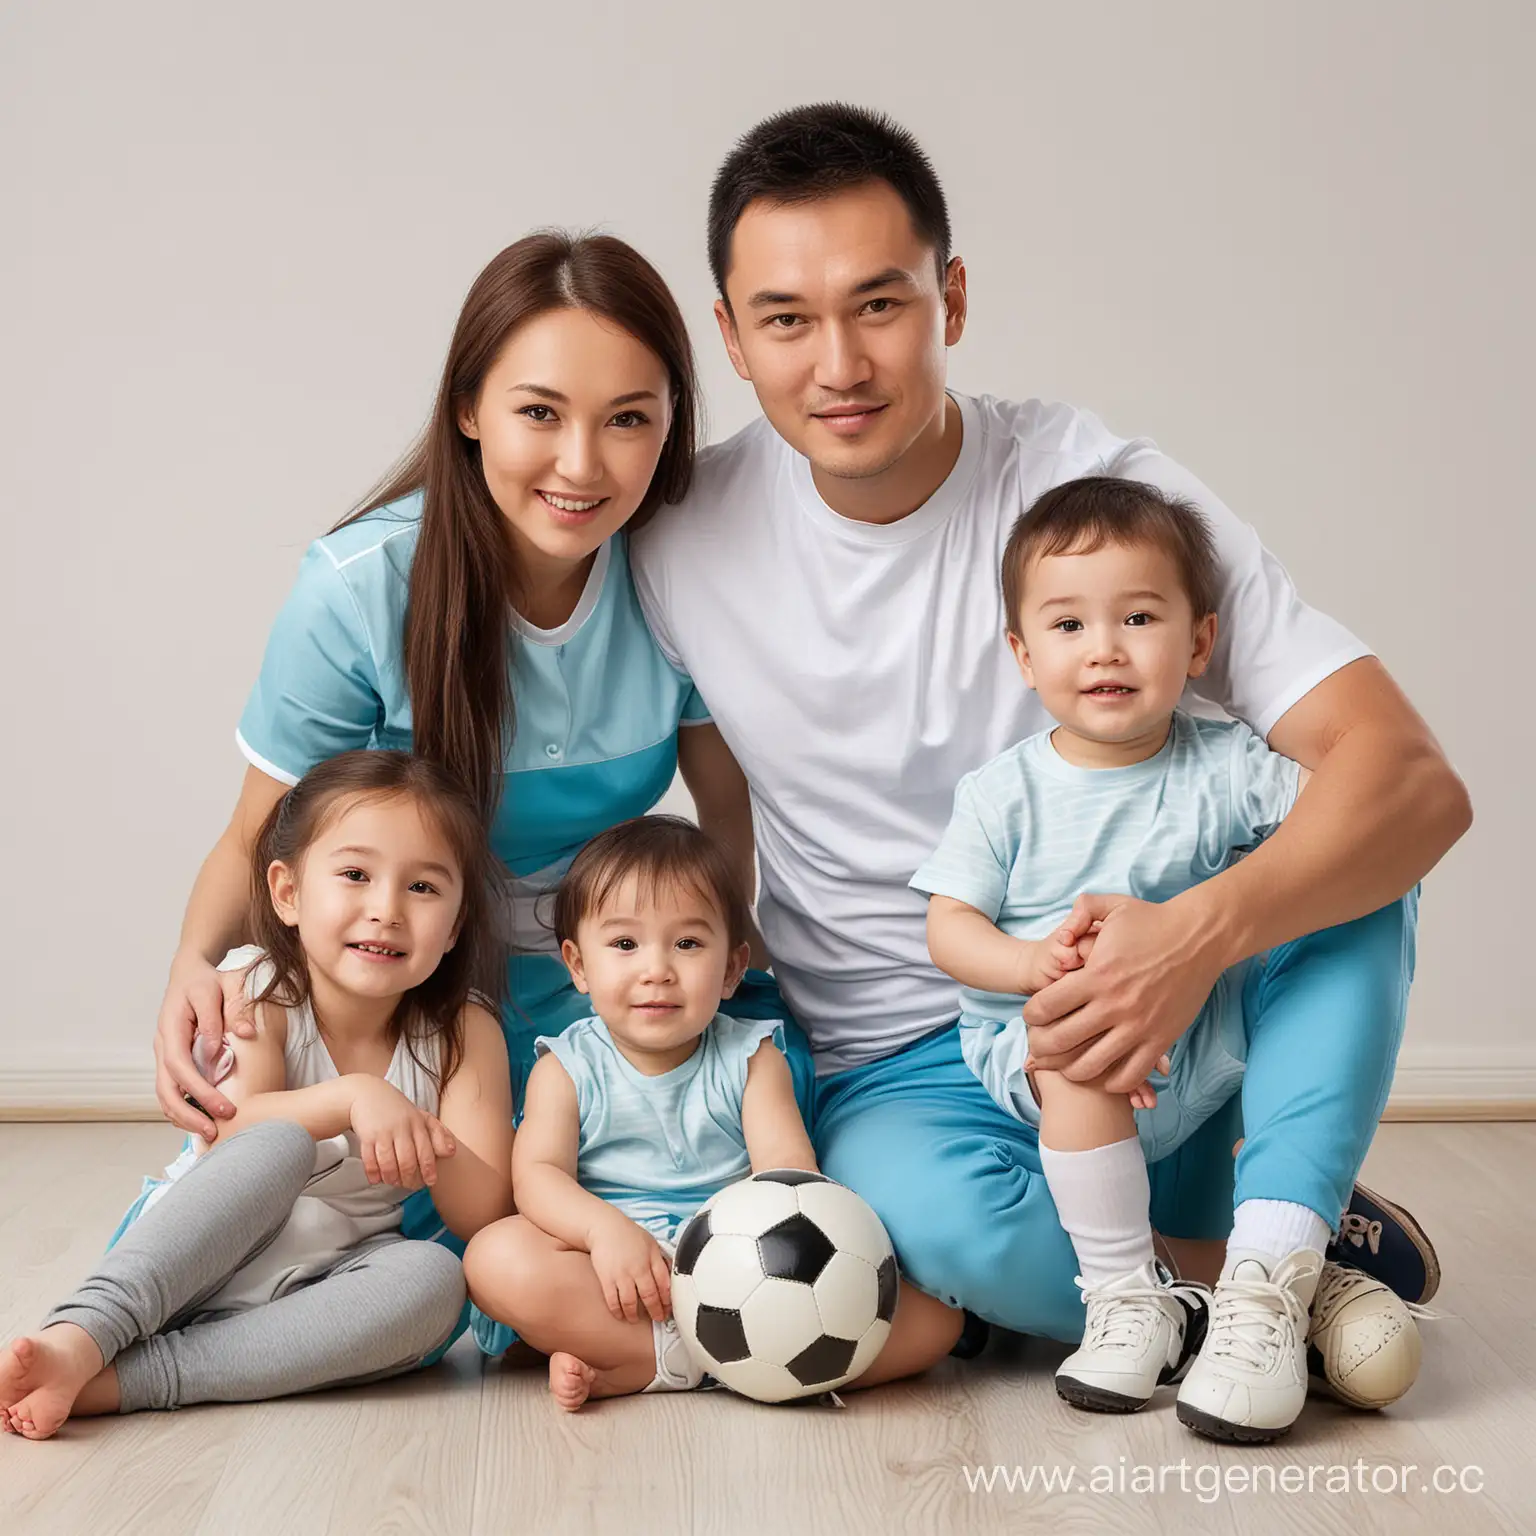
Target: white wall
1293,243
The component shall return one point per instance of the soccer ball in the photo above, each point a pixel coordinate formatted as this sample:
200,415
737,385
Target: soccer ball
784,1285
1364,1346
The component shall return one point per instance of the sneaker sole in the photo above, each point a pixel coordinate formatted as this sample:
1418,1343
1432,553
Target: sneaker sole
1212,1428
1415,1235
1096,1399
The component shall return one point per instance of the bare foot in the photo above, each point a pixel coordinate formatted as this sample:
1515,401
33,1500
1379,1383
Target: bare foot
570,1381
42,1375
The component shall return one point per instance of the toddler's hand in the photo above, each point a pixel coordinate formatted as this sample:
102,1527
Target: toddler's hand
398,1142
631,1268
1051,959
1145,1097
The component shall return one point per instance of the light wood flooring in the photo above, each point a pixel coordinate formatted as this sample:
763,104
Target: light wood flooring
472,1447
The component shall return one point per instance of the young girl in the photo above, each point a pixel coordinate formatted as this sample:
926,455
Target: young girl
272,1262
636,1115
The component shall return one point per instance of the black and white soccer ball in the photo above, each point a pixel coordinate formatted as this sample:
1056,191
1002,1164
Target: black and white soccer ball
784,1285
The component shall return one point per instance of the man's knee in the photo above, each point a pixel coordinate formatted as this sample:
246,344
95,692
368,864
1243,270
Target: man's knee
971,1226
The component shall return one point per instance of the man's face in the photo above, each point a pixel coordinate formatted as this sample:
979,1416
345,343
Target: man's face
838,319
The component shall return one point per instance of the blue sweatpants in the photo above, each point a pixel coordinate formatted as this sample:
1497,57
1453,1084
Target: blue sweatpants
957,1180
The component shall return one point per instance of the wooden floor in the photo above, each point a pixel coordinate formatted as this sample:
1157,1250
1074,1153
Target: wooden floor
470,1447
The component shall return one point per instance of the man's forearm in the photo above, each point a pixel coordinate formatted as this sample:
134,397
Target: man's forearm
1378,814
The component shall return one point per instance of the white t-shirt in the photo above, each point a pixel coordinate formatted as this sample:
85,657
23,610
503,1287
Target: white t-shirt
858,671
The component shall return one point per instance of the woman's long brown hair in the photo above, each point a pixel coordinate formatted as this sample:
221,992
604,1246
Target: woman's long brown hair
473,970
464,574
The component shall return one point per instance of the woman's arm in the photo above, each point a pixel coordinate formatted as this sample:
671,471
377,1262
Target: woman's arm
474,1186
770,1116
216,920
544,1161
724,806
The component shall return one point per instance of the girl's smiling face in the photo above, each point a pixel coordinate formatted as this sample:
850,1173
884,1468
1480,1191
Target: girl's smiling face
376,897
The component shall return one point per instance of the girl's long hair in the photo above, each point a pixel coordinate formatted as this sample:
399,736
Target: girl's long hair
473,970
457,636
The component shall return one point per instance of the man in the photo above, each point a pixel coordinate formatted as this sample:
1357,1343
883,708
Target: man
831,585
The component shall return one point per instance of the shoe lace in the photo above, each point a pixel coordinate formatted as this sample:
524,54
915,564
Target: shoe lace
1254,1320
1361,1231
1121,1318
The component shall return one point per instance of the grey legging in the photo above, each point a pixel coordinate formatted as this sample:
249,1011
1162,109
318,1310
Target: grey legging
378,1311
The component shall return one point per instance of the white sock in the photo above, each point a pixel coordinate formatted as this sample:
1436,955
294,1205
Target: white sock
1103,1197
1272,1229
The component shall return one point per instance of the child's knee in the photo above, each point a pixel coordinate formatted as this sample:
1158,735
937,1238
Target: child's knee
284,1146
504,1265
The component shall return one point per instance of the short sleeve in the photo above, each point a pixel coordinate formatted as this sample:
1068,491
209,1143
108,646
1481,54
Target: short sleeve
317,693
1263,789
973,860
1271,648
566,1049
735,1043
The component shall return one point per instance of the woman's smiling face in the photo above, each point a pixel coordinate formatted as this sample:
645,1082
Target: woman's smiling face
571,419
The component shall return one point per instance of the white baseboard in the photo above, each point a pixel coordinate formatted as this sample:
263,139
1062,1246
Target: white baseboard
1434,1083
78,1093
1431,1083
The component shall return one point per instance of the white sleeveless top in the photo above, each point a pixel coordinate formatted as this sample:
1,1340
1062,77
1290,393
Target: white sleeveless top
339,1208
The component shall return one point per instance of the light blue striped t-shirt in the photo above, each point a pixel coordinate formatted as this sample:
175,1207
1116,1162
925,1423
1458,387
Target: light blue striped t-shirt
659,1147
1031,832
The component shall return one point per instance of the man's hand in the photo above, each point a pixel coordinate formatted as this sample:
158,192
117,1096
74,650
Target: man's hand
1149,970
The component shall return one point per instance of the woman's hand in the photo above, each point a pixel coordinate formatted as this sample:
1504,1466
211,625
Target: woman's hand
631,1268
196,1003
399,1143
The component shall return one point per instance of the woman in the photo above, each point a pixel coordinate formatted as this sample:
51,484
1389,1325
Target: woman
479,610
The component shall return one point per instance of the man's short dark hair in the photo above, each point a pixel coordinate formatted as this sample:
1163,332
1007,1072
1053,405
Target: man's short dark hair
1081,516
809,153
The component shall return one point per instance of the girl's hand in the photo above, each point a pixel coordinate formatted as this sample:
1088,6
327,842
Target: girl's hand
631,1268
194,1004
399,1143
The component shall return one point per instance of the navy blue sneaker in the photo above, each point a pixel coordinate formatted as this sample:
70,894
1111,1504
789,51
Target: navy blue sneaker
1378,1236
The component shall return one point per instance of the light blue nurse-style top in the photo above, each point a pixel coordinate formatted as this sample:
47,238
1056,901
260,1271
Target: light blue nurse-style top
597,708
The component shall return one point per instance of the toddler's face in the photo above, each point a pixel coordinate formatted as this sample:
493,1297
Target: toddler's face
1109,638
656,964
376,899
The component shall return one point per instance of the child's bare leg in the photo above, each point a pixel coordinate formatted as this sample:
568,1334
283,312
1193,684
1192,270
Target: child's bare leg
923,1332
550,1294
42,1375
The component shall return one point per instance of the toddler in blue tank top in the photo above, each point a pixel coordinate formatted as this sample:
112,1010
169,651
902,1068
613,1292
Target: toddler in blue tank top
638,1114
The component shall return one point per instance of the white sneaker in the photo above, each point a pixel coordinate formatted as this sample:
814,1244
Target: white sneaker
1142,1329
1250,1379
1364,1346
